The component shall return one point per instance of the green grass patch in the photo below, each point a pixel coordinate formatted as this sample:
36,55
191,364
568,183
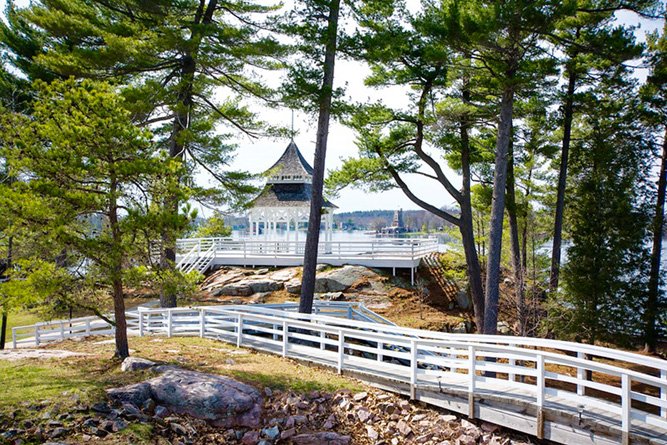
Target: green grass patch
31,381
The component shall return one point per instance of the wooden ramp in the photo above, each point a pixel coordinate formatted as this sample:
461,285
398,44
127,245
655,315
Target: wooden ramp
532,385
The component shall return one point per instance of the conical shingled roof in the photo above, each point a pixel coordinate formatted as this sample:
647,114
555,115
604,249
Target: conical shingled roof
289,182
290,166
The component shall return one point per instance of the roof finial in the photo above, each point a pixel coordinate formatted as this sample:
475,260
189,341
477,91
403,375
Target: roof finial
292,132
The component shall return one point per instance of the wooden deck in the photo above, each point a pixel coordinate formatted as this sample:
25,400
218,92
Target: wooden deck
531,385
202,253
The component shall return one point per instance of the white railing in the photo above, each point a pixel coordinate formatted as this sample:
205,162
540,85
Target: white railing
59,330
542,372
380,248
621,388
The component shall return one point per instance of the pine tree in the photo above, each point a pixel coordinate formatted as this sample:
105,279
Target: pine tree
314,26
94,180
171,56
605,275
654,94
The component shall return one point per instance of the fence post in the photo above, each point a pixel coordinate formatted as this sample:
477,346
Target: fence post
341,351
87,327
626,404
512,363
323,336
14,339
380,349
540,395
663,392
285,338
169,323
581,375
413,368
37,335
471,381
141,322
202,322
239,331
62,330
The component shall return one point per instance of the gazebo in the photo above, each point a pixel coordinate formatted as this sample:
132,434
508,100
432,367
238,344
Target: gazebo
285,200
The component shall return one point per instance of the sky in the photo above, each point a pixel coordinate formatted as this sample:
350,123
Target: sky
256,156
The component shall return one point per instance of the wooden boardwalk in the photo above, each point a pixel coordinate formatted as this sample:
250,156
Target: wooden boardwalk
531,385
396,253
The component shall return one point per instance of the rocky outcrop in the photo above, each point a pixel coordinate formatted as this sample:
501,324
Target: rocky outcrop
338,280
220,400
238,282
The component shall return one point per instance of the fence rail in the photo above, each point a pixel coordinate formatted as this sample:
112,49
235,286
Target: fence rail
624,390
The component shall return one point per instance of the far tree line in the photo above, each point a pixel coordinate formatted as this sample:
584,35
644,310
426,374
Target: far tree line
112,109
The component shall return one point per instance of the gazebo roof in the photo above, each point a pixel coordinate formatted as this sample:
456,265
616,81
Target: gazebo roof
291,167
289,182
287,195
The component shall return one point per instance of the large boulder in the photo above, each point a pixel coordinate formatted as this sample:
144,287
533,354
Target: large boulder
222,401
338,280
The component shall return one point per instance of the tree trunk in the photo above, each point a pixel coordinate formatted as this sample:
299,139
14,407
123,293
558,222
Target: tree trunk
180,124
466,224
652,302
116,257
122,348
498,211
3,324
316,201
562,179
517,264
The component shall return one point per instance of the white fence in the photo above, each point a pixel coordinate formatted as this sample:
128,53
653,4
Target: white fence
398,247
627,391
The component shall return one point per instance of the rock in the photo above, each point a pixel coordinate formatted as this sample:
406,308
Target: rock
241,288
161,412
403,427
250,438
331,296
338,280
288,433
293,286
221,400
135,394
372,434
90,423
363,414
58,432
358,397
135,364
101,407
447,418
321,438
178,429
149,406
268,392
271,433
258,286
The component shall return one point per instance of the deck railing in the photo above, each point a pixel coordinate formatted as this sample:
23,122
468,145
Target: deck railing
623,389
398,247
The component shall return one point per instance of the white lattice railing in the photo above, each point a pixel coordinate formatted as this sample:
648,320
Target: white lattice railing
627,390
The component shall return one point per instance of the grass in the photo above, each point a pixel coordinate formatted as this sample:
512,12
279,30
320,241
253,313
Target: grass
57,380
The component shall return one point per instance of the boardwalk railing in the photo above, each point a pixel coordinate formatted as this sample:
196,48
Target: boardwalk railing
399,247
553,383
